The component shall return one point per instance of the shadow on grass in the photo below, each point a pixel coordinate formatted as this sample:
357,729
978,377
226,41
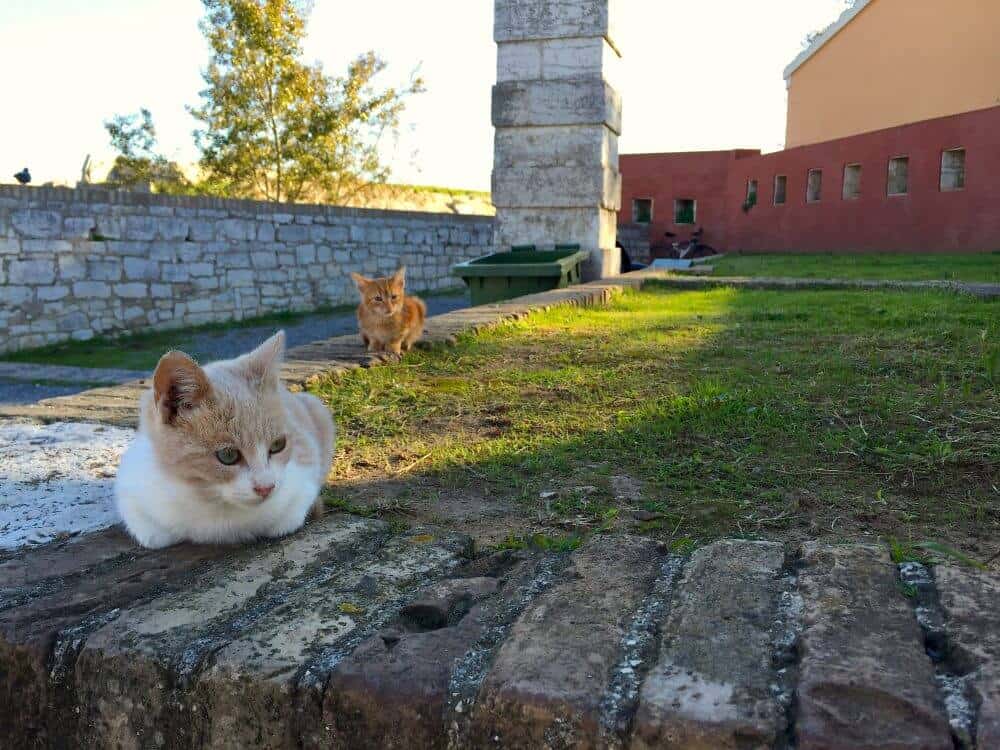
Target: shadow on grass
688,416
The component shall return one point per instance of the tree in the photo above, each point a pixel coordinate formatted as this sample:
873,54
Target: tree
138,164
276,128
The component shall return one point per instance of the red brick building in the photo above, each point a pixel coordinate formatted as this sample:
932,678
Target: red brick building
927,186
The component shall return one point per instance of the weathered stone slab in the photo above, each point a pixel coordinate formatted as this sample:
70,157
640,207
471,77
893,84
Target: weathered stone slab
277,667
393,691
557,187
548,680
519,20
865,679
593,229
26,573
36,223
59,612
970,600
556,59
129,670
590,101
711,687
570,146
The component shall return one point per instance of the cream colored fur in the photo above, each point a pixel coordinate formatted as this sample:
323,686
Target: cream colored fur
173,487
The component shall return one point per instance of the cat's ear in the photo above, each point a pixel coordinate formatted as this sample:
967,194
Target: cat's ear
263,363
363,282
179,385
399,278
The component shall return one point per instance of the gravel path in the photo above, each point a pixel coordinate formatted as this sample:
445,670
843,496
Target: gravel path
213,345
19,392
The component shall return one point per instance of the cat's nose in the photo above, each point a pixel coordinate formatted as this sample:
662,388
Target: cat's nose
263,490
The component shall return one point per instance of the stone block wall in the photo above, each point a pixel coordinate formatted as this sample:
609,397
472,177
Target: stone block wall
79,263
558,116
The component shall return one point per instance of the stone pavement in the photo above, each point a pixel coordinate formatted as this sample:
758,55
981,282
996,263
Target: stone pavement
353,634
348,635
25,383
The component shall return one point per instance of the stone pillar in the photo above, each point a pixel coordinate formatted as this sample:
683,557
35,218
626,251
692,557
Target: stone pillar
557,117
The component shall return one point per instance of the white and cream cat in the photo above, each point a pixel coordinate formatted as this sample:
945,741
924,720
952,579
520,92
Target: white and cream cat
224,453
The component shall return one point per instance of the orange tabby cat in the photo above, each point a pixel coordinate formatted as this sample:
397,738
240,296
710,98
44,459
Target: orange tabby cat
388,319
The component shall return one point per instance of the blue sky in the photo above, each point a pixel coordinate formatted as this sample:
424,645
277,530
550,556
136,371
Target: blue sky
695,75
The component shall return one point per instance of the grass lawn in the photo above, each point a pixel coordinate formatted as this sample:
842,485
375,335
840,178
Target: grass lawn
981,267
690,415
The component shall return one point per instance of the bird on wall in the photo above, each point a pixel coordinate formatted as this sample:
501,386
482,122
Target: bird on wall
24,176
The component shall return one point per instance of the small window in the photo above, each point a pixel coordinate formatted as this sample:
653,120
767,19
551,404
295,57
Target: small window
780,189
685,211
814,186
953,169
899,176
852,182
751,199
642,210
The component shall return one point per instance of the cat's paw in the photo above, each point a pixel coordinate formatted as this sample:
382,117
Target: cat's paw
153,538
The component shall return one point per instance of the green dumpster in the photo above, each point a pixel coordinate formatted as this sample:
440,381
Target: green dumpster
521,271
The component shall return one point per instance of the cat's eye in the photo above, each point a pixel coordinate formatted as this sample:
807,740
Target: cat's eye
277,446
395,296
227,456
378,297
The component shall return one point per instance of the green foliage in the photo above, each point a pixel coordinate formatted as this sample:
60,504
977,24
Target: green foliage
138,164
991,358
929,553
683,546
904,552
277,128
941,551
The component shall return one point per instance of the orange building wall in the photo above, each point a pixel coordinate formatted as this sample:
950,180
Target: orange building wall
898,62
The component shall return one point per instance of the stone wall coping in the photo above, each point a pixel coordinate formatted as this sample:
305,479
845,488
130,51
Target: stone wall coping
101,196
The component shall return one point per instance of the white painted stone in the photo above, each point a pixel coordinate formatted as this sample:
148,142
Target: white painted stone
56,479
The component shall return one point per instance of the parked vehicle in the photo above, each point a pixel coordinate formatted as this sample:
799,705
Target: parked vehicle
693,248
